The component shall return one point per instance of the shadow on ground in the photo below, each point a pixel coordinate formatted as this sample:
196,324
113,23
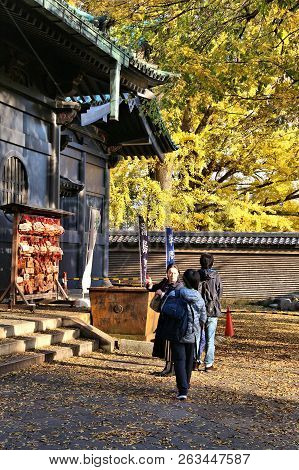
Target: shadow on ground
114,402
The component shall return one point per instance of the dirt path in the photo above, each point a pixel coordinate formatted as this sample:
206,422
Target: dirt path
115,402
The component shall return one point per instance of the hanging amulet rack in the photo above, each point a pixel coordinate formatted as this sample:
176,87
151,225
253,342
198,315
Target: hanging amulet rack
36,254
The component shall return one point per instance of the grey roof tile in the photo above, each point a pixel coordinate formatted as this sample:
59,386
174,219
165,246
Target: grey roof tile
220,239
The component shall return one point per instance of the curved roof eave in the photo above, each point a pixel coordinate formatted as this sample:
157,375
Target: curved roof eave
67,18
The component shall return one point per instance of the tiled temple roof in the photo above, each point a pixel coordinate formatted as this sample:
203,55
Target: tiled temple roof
84,65
68,15
215,239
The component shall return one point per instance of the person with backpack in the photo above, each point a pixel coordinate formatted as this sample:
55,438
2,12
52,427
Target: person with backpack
182,312
210,288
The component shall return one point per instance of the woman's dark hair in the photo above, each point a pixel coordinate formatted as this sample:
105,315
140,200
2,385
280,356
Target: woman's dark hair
206,260
172,265
191,278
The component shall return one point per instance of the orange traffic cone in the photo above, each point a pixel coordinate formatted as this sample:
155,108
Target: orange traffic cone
229,329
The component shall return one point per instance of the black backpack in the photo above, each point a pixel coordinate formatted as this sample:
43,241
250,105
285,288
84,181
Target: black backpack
208,297
174,311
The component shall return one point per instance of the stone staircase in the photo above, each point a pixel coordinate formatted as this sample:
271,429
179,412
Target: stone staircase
27,339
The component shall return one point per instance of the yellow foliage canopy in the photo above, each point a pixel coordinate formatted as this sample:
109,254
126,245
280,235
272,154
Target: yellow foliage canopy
233,111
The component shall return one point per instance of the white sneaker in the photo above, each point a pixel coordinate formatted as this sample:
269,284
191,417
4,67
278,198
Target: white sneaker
182,397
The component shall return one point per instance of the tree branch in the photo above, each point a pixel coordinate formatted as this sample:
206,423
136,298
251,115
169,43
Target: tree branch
227,175
205,120
289,197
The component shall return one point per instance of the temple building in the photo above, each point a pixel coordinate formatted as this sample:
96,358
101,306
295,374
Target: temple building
71,105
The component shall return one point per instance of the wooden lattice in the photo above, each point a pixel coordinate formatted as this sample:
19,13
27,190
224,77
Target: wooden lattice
14,183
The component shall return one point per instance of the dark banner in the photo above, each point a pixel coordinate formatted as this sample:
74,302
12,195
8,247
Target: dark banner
143,250
170,258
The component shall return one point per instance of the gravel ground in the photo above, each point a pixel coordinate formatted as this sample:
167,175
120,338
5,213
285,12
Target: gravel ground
115,402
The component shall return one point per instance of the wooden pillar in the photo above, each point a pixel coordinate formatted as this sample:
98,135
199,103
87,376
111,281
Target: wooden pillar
82,215
114,91
54,166
106,221
14,259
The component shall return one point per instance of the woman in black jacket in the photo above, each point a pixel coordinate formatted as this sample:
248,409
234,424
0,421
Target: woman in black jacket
161,346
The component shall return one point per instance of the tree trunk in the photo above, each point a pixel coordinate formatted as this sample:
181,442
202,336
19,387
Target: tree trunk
187,118
163,174
205,120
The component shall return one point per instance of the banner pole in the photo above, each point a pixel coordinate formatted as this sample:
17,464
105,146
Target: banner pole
143,250
169,246
140,262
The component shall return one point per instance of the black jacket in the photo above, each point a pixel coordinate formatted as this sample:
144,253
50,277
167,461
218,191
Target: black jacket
210,288
162,285
160,342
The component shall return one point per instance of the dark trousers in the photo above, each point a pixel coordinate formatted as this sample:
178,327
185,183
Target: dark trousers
182,356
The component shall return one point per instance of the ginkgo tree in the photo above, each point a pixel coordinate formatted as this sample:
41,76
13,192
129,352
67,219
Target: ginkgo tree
232,107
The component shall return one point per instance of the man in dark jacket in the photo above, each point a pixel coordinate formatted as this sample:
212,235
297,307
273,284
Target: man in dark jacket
211,291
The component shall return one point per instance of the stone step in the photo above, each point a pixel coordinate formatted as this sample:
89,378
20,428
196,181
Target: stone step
12,346
41,323
59,335
78,347
15,362
82,347
54,353
37,340
67,315
15,327
33,338
58,353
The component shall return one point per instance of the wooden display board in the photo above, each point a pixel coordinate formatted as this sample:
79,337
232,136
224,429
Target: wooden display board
36,254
